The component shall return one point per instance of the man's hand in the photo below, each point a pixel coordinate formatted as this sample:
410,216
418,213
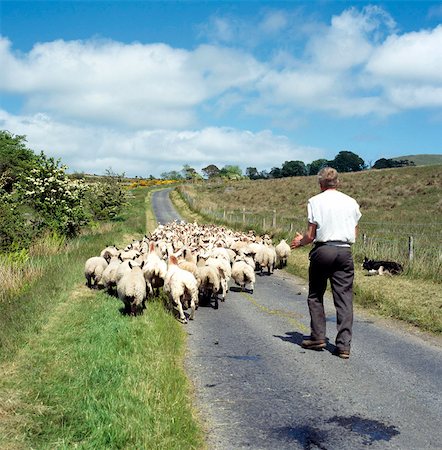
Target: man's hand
296,241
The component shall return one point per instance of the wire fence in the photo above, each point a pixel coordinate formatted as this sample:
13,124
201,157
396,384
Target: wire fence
418,246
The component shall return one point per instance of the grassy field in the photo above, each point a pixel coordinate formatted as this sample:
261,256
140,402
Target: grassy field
395,203
75,373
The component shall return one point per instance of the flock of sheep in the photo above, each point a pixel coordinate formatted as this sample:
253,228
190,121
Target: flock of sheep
192,263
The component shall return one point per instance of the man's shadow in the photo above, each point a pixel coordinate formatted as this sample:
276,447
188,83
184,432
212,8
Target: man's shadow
296,338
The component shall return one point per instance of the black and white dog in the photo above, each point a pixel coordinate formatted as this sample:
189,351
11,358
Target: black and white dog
375,267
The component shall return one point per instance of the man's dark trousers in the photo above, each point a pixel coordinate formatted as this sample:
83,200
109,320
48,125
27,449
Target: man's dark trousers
334,263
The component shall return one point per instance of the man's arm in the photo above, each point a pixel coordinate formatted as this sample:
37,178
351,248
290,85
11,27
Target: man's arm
309,236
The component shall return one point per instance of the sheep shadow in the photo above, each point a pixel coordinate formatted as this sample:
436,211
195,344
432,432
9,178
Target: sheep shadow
296,338
239,289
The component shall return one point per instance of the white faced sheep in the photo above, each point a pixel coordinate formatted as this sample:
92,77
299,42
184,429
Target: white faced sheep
243,274
182,287
131,290
282,253
93,271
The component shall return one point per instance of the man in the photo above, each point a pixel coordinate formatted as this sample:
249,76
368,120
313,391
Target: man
332,226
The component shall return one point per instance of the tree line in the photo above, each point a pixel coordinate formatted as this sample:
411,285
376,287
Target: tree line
344,161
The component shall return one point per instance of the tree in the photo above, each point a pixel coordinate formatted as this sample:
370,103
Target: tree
15,158
275,172
252,173
384,163
172,175
211,171
347,162
231,172
315,166
293,169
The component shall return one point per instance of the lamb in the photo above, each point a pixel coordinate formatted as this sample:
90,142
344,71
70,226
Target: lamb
282,253
266,257
209,284
181,287
243,274
131,289
93,271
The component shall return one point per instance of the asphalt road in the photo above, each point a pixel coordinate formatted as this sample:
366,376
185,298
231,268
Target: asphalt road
256,388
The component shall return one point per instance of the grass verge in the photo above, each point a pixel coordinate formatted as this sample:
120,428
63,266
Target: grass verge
76,373
418,302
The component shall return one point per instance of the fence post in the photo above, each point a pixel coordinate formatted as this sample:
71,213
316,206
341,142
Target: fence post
263,223
244,215
291,227
224,215
364,239
410,248
274,219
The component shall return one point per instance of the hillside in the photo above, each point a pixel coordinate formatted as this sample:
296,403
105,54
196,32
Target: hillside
421,160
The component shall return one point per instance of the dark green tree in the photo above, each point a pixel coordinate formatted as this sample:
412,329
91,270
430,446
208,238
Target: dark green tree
15,158
315,166
346,161
275,172
293,169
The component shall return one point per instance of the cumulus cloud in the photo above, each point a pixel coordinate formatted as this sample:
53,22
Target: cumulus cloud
93,149
141,86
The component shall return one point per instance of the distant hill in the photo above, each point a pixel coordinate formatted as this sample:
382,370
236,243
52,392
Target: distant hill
422,160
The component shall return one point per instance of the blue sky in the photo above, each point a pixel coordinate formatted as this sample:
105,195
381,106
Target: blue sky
147,87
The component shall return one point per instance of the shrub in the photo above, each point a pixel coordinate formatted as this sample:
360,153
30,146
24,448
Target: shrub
58,200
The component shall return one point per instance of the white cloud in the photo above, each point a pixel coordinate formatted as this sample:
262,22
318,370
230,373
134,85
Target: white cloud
141,86
94,149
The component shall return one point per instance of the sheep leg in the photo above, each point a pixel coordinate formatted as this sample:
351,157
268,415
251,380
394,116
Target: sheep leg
179,308
192,308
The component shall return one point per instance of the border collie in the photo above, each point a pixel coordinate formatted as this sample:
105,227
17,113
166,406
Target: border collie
375,267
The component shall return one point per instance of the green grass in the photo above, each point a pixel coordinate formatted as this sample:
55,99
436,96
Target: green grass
75,373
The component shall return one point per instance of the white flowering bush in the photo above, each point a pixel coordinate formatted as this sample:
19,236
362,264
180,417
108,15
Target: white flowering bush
57,200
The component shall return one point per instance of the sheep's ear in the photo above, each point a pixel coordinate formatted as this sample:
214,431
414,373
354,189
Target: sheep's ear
120,258
130,265
142,265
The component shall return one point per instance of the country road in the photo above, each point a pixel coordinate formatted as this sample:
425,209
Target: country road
256,388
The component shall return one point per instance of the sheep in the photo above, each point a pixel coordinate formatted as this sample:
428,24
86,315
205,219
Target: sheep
243,274
282,253
93,271
209,284
181,285
131,289
266,257
129,254
154,270
225,272
109,277
110,251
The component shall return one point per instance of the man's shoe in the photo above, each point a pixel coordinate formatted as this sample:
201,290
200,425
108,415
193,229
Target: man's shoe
344,354
313,345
